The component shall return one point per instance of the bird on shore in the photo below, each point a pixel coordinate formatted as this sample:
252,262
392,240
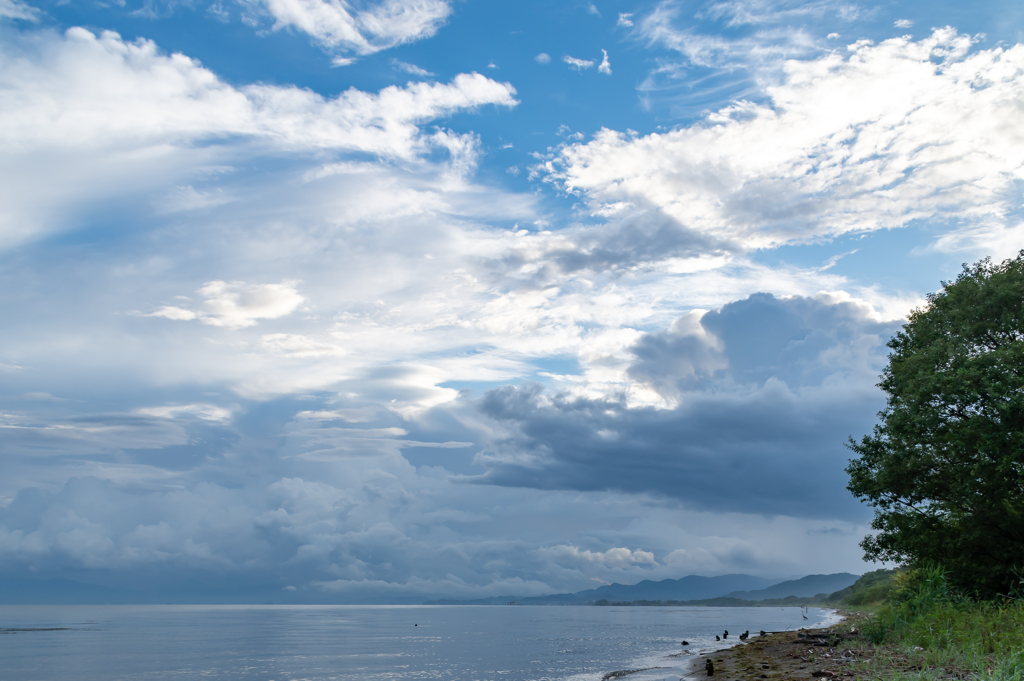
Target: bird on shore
725,635
718,638
709,667
685,643
762,632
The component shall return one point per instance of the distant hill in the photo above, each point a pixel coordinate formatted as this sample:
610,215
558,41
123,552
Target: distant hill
872,587
694,590
692,587
811,585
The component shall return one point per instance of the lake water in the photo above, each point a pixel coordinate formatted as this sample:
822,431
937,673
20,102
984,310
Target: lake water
369,643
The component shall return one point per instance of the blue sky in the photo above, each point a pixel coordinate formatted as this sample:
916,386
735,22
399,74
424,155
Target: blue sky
386,301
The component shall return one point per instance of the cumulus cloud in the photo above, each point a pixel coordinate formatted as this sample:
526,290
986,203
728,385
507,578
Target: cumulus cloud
613,557
236,305
874,140
543,58
761,395
903,23
605,66
335,24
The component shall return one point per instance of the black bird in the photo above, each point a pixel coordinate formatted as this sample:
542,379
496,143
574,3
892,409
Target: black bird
709,667
685,643
762,632
718,638
725,635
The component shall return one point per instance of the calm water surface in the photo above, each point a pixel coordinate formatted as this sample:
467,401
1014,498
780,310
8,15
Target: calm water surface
369,643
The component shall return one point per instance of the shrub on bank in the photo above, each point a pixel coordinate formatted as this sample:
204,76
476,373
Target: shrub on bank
950,629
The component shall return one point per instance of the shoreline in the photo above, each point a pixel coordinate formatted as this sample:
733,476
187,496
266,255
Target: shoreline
727,654
805,654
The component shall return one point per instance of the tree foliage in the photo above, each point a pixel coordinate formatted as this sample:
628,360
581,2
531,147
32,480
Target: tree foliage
944,470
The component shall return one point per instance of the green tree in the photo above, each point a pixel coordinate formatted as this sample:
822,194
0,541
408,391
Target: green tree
944,470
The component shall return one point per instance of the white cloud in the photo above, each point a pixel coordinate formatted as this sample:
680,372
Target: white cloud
15,9
577,64
379,26
217,11
873,141
360,415
142,120
903,23
605,66
236,305
997,240
411,69
765,48
207,412
297,345
625,19
189,198
759,12
618,557
592,9
543,58
130,94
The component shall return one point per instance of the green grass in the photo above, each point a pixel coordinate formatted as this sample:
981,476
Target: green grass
941,634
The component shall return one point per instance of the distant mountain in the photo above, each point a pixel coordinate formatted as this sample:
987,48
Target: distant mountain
811,585
693,587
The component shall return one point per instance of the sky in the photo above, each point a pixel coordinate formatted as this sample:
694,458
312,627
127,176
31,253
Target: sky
389,300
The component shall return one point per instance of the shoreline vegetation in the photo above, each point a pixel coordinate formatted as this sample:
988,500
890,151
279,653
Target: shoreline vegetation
924,631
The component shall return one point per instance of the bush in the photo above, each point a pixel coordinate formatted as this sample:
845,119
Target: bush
925,612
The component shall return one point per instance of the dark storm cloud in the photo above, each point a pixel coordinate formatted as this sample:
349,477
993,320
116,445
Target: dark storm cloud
767,390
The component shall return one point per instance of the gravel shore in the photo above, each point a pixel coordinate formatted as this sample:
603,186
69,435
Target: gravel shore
802,655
